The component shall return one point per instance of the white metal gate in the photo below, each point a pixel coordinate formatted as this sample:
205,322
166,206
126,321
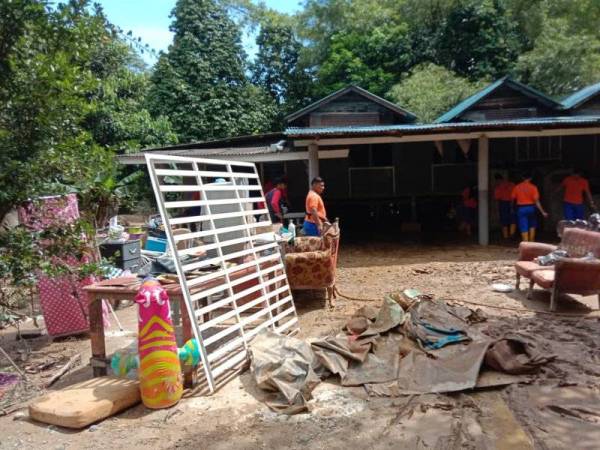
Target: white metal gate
239,287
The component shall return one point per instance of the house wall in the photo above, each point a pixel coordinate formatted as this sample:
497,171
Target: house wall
506,103
429,184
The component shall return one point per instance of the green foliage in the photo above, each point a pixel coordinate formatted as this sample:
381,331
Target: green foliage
430,90
200,83
561,61
277,67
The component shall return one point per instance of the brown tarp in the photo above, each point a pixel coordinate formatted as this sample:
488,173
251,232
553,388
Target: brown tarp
385,361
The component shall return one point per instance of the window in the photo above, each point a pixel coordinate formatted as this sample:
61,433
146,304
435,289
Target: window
372,182
543,148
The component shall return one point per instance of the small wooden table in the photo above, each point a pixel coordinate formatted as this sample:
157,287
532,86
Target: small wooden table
126,288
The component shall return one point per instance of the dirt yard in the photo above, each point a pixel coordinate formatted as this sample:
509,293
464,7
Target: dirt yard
560,409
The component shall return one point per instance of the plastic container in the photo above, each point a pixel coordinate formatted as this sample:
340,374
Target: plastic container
155,244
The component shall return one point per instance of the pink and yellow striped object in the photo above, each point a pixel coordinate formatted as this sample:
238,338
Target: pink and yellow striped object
160,370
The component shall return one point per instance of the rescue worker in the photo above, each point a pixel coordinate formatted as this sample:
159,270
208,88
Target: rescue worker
316,216
527,198
468,210
575,186
503,195
276,201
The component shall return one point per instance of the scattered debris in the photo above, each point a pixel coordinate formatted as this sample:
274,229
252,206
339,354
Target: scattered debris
73,361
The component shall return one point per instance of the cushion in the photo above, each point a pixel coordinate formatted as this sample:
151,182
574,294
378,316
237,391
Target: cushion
543,278
526,268
578,242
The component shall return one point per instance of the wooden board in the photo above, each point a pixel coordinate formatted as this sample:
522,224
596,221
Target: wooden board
81,404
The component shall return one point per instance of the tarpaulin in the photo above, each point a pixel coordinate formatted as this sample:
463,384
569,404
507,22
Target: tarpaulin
434,325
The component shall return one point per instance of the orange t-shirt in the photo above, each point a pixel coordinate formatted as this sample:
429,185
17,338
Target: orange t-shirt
314,201
503,191
525,193
468,200
575,186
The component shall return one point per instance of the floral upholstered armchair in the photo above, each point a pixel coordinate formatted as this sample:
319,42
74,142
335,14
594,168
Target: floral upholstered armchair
311,262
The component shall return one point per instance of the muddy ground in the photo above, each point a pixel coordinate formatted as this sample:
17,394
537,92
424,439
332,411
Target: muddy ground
560,409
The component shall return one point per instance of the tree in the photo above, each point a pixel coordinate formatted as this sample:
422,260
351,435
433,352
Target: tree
429,91
561,61
277,68
200,83
478,40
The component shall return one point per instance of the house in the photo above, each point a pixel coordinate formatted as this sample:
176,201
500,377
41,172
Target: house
383,170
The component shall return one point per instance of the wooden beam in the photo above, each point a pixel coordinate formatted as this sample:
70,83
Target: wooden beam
313,161
483,168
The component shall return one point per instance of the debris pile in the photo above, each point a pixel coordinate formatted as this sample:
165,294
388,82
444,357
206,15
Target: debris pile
413,344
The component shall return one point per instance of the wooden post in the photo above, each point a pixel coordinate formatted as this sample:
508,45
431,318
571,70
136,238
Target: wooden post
98,360
313,161
483,167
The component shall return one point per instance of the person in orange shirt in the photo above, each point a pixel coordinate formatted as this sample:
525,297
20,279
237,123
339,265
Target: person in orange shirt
575,186
316,216
468,210
527,199
503,196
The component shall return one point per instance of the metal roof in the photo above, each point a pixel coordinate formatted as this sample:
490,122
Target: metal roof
436,127
229,151
410,117
478,96
581,96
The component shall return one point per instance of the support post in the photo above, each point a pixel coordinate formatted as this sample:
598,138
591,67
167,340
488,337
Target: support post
483,168
313,161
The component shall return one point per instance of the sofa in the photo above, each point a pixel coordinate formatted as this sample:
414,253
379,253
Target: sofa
311,262
572,275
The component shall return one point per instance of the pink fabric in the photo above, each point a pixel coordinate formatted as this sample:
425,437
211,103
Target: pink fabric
49,211
64,312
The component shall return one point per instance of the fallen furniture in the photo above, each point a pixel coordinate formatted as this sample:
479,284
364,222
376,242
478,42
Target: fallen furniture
310,263
571,275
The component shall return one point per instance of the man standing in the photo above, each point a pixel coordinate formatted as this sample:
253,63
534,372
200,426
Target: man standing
276,201
503,196
575,186
316,215
527,198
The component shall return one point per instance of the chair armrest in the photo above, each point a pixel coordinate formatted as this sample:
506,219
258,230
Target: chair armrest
528,251
576,276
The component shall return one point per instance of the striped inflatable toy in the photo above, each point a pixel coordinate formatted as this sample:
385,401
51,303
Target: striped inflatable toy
160,377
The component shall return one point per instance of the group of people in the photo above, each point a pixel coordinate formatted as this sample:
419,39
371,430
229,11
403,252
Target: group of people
518,204
316,215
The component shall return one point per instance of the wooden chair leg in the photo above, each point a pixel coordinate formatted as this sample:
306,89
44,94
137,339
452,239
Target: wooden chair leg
553,298
518,282
530,291
598,301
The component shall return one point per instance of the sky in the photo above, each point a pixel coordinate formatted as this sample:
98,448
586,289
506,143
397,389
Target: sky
149,20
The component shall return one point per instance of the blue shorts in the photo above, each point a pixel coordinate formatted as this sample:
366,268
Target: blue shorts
310,229
573,211
527,218
507,216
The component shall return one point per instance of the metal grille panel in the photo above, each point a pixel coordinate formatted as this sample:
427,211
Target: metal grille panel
238,287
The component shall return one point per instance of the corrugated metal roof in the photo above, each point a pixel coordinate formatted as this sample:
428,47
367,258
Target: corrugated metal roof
581,96
478,96
423,128
229,151
410,117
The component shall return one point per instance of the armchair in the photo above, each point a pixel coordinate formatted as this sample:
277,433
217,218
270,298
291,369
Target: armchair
311,262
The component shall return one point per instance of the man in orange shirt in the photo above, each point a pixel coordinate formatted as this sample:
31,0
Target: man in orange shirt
503,196
575,186
527,198
316,216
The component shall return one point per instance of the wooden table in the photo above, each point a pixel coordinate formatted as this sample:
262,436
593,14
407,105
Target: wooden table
126,288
